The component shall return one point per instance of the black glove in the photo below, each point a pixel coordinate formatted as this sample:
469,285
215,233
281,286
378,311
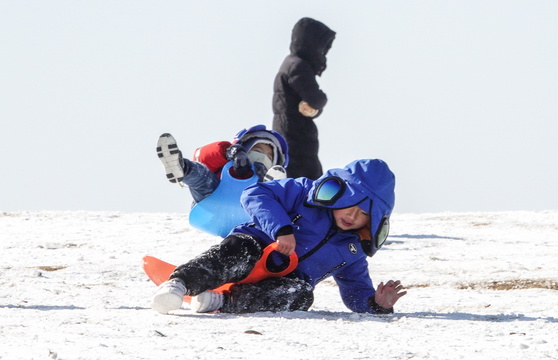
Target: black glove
261,170
241,163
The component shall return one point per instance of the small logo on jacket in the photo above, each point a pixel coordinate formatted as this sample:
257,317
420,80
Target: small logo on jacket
353,248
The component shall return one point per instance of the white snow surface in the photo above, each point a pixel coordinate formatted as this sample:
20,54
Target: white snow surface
480,286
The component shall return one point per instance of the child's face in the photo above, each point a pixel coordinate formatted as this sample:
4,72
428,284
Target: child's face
265,149
351,218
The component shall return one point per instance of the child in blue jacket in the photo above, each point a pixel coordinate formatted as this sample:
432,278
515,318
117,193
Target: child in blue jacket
332,223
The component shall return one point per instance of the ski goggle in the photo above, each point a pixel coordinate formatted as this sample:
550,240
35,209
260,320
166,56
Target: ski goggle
382,233
328,191
378,238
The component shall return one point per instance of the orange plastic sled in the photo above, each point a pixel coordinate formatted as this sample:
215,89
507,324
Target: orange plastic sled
159,271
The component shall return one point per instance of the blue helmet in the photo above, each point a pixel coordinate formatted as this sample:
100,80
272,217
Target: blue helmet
258,133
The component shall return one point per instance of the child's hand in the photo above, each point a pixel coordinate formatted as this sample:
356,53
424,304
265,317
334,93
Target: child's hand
387,295
286,244
241,162
306,109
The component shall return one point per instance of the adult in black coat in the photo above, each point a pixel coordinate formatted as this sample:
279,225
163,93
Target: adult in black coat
298,99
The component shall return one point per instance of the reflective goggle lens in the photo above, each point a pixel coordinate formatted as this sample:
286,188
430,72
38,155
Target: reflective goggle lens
329,190
382,233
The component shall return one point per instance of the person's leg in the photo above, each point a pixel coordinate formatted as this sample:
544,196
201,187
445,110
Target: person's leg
301,135
201,181
271,294
230,261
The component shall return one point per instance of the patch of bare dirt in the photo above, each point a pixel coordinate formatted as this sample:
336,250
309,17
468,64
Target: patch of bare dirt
51,268
503,285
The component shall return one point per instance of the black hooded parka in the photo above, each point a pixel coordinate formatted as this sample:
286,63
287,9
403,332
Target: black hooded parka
296,82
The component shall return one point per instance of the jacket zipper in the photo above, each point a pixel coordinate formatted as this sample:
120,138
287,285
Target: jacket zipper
317,247
330,272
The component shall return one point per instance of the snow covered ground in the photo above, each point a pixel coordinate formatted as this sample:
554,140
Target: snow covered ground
480,286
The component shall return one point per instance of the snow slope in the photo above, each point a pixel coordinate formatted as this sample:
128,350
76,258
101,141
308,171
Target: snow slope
481,286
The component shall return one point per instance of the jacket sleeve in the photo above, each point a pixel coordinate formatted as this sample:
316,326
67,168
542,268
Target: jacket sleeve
356,287
303,81
213,155
269,204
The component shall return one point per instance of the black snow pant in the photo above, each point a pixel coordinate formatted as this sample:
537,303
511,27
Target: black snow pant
301,134
232,261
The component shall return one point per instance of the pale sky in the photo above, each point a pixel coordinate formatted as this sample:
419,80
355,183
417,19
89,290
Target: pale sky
460,98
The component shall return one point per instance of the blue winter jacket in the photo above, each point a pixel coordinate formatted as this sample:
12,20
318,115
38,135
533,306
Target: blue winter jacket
323,249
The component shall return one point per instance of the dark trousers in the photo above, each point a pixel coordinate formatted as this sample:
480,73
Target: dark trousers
231,261
301,134
199,179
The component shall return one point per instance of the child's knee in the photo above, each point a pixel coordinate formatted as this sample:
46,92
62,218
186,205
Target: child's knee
244,244
305,297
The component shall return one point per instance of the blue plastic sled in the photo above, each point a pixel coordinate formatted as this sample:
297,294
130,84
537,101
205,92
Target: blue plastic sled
218,213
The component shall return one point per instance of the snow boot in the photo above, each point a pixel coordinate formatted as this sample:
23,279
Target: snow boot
171,157
168,296
207,301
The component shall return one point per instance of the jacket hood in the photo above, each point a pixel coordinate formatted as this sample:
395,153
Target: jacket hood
250,136
370,185
311,40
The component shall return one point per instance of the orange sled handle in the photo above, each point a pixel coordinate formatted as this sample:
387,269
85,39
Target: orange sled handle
260,270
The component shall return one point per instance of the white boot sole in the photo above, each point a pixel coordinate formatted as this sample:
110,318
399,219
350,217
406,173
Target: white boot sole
276,172
168,153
